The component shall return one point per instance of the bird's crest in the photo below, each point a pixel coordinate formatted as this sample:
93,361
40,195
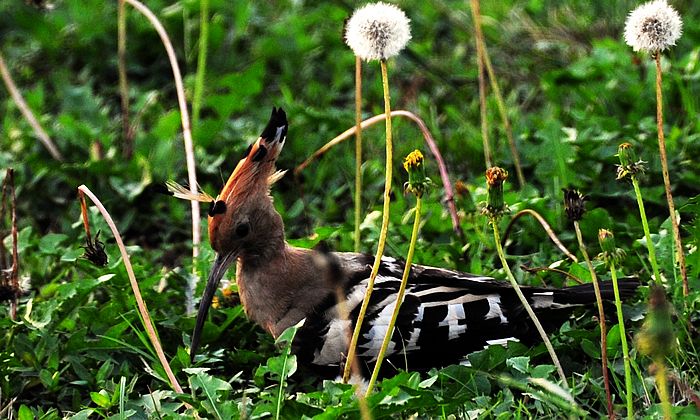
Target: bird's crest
252,173
259,160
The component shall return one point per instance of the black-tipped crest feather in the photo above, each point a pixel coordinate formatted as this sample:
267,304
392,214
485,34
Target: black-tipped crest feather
276,128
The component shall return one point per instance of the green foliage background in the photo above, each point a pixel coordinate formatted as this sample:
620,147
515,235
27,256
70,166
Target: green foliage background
574,93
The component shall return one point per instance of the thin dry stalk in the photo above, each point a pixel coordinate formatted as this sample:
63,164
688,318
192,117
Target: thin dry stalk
502,110
601,320
476,15
358,150
127,129
27,112
143,310
547,228
185,119
667,178
429,140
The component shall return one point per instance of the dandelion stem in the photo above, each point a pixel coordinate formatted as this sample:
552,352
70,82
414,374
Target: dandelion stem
667,179
623,340
647,234
399,297
384,228
601,319
662,384
358,150
526,304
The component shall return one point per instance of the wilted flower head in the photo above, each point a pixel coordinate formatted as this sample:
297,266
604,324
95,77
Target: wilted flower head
629,164
377,31
574,204
495,177
653,27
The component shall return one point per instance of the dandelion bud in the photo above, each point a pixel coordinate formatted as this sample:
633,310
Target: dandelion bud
656,339
495,177
610,254
377,31
574,204
629,164
653,27
417,183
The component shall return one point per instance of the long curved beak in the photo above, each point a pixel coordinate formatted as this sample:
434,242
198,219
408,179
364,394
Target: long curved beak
218,270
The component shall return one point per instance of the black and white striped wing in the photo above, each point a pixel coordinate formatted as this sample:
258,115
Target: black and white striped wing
445,315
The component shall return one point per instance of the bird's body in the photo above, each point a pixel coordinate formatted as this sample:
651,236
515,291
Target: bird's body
444,316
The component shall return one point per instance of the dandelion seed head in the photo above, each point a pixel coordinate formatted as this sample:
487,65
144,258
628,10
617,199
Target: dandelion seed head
653,27
377,31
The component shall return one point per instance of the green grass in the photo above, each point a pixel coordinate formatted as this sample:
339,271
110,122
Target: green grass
573,91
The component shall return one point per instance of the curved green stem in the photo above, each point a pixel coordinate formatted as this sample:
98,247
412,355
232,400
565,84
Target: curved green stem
358,150
601,319
399,297
526,305
647,235
623,339
383,231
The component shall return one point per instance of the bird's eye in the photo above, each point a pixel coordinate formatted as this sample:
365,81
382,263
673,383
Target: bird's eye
242,230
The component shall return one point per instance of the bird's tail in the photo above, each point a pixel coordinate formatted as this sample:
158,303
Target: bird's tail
583,294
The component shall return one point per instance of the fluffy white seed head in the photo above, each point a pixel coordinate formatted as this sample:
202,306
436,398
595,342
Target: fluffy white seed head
653,27
377,31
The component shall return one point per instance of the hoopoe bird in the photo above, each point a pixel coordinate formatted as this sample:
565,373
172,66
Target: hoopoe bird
445,314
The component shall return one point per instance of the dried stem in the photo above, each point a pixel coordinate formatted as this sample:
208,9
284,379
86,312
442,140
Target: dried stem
127,129
601,319
185,119
476,15
358,151
385,224
143,310
667,178
444,175
502,110
547,228
27,112
189,144
201,60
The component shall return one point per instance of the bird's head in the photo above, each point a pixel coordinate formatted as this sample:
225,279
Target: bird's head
238,215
